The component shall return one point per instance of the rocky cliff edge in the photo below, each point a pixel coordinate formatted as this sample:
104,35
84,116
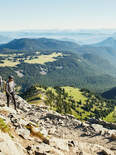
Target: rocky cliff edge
36,130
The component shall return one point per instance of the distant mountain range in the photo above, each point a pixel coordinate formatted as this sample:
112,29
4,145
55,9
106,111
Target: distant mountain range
4,39
109,42
79,36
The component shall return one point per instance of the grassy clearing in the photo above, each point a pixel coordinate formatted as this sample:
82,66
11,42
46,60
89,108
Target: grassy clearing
4,55
37,102
43,58
35,97
7,63
40,59
75,93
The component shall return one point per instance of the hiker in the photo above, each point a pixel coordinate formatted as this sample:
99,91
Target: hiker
1,84
10,93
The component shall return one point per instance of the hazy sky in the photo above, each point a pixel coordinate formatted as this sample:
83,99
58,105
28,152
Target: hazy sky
57,14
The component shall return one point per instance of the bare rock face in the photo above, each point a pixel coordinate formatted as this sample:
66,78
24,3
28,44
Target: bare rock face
22,104
8,146
93,149
36,130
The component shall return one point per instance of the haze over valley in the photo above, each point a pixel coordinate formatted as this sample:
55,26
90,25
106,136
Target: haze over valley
81,36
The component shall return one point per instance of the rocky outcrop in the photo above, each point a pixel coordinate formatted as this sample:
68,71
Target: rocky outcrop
37,130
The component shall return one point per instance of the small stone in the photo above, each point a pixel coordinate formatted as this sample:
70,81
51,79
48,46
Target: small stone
71,143
113,136
24,133
44,132
52,130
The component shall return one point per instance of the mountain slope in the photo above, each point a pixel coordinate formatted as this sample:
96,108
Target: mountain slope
109,42
100,64
110,94
104,52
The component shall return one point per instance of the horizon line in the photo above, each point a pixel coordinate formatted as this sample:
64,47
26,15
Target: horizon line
10,30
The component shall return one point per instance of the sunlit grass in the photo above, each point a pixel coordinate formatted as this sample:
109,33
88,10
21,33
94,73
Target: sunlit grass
52,89
43,58
111,117
4,55
7,63
3,126
75,93
37,102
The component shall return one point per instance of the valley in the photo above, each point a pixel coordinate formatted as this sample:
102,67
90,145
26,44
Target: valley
57,63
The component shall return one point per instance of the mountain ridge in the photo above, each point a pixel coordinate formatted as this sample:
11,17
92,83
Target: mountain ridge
40,44
109,42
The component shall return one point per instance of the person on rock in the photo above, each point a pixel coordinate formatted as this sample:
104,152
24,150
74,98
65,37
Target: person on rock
10,92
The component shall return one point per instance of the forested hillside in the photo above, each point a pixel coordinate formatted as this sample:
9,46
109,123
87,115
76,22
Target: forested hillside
81,103
56,63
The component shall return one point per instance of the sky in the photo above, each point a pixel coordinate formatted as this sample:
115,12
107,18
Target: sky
57,14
